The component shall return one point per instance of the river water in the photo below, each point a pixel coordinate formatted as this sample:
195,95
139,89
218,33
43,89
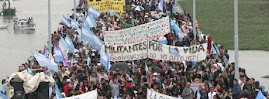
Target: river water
15,46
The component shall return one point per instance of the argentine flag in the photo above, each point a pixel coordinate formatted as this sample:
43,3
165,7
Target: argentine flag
57,91
58,55
65,21
64,46
160,5
162,40
90,21
69,41
105,60
260,95
176,29
174,52
95,13
74,24
91,38
45,62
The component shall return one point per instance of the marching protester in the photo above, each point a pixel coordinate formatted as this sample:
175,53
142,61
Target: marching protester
83,69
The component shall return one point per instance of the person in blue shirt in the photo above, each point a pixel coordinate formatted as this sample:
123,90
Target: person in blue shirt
236,89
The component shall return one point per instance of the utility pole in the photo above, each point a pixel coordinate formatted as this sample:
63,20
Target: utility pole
49,28
75,10
194,19
236,68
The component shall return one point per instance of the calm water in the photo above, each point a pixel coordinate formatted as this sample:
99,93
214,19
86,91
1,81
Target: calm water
15,46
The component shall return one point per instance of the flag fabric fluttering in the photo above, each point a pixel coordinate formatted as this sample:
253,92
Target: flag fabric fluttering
80,15
29,71
90,21
176,29
260,95
4,86
57,91
89,61
112,13
95,13
64,46
174,52
74,24
160,5
91,38
3,96
45,62
58,55
133,64
69,41
105,60
162,40
65,21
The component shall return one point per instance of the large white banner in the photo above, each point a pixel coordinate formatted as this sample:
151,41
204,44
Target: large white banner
155,50
165,52
138,34
127,52
155,95
88,95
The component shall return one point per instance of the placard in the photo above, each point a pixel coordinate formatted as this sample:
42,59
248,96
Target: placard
138,34
107,5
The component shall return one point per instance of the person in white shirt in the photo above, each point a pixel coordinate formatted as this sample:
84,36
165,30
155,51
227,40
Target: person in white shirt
211,94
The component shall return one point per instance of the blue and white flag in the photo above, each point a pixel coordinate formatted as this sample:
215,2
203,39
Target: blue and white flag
160,5
65,48
4,86
91,38
57,91
65,21
105,60
80,15
45,62
89,61
162,40
174,52
74,24
29,71
3,96
69,41
133,64
50,91
260,95
90,21
95,13
176,29
112,13
58,55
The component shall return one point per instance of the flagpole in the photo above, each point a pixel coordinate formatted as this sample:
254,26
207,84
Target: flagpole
194,19
236,68
49,27
75,10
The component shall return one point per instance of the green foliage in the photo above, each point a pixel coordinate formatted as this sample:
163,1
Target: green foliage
216,17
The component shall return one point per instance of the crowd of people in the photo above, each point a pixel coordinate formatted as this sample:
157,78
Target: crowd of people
170,78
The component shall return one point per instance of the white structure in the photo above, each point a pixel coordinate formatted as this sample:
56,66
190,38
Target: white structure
26,24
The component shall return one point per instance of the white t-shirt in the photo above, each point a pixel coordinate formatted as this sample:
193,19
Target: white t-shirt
211,95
